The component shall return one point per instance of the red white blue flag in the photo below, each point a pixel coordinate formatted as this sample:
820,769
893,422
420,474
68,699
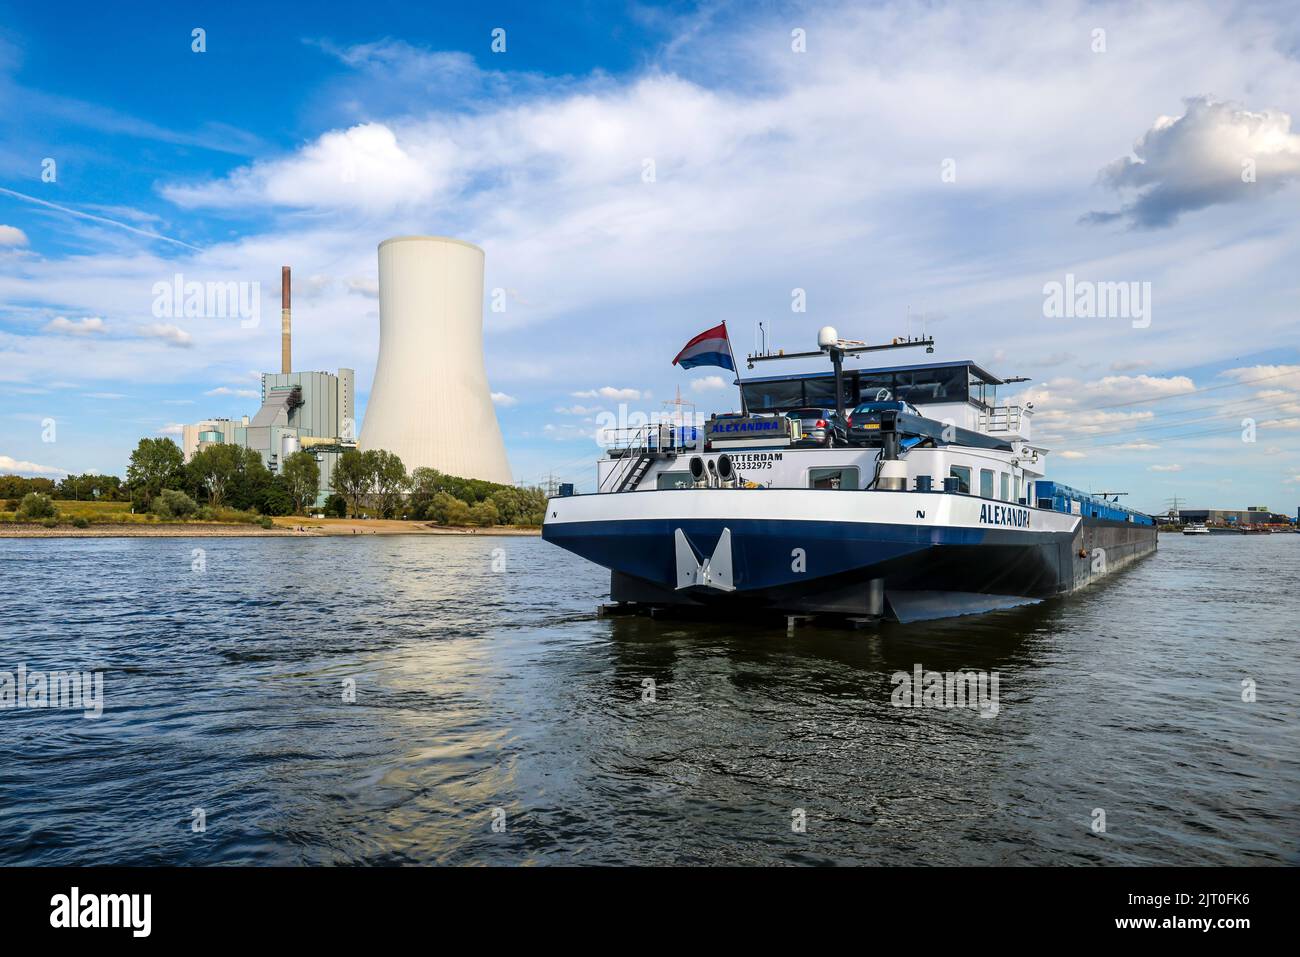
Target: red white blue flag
709,348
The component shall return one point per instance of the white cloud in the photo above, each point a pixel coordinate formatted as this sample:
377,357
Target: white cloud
9,465
242,393
77,327
504,400
578,409
12,236
364,167
168,333
611,393
1213,153
1071,454
175,428
1164,468
710,383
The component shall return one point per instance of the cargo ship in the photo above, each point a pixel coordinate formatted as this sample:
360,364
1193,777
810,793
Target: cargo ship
937,505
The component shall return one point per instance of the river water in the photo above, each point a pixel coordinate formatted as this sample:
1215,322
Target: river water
496,720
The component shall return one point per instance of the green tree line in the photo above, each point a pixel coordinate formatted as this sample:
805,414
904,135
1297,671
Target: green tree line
374,482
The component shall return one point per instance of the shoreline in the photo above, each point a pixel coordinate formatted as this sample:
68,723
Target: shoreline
284,528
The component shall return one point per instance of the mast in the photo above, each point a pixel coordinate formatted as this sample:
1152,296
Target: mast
829,343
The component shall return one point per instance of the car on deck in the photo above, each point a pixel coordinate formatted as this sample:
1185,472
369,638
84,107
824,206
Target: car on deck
820,427
864,420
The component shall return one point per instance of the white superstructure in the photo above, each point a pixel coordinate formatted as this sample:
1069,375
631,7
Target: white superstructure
430,403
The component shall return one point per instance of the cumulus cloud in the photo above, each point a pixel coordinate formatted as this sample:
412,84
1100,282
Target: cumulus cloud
174,428
10,465
12,236
710,383
1214,153
172,335
611,393
504,400
363,167
76,327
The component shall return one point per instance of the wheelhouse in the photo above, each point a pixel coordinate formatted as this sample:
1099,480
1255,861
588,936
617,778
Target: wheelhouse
935,383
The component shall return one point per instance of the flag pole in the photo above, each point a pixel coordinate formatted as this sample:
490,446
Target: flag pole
744,409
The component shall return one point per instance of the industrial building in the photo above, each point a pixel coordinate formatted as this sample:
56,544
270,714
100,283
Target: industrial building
430,403
312,411
1255,515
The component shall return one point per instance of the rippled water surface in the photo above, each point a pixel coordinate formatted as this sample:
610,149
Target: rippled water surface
480,689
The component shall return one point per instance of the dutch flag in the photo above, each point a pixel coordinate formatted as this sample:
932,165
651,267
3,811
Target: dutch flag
709,348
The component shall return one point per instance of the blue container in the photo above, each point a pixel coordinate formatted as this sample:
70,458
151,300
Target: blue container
924,483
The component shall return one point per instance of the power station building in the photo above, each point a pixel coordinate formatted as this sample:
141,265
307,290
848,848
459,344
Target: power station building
430,403
310,411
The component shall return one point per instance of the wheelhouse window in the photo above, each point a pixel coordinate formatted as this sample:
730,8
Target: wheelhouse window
1006,487
986,483
820,393
962,474
841,478
761,396
919,386
674,480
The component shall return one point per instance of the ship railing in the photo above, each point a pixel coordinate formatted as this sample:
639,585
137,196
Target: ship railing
632,447
1002,418
629,446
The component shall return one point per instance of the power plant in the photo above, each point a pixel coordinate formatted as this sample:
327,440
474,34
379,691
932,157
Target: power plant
308,411
430,403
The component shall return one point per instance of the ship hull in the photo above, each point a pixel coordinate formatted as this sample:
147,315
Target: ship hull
906,555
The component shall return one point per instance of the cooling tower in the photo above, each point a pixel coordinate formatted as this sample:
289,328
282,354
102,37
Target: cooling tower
430,403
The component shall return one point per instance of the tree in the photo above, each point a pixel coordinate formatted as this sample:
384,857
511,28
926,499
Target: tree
440,506
173,504
484,514
336,505
352,478
389,480
425,484
252,483
35,505
458,513
155,464
275,498
215,468
301,475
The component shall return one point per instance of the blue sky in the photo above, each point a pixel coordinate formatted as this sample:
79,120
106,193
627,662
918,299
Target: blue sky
913,159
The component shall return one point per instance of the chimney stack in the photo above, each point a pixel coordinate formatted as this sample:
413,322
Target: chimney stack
286,336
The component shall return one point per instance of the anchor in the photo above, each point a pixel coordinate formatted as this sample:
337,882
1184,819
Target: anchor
716,572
